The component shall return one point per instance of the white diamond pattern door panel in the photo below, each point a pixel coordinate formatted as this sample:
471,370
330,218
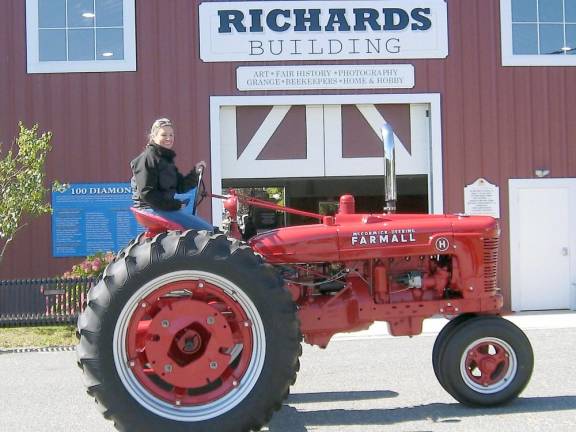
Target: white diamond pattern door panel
249,163
414,162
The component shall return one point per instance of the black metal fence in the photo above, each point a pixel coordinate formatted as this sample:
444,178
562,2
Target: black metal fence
42,301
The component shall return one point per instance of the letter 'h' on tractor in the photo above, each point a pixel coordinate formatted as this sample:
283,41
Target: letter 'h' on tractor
198,331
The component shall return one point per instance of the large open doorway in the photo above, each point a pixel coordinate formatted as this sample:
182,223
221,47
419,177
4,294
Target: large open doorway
320,195
307,151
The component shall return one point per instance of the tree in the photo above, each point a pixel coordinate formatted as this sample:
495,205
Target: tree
22,190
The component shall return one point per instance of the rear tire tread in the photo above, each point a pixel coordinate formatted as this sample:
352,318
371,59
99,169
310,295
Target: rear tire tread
128,269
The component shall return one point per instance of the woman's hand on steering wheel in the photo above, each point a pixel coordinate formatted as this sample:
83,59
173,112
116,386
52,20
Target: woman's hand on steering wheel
201,188
200,166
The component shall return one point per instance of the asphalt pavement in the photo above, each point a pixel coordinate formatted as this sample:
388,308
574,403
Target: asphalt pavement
363,382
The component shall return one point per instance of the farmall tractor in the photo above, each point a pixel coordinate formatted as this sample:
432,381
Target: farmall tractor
192,331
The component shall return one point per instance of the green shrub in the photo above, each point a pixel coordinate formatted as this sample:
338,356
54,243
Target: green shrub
22,175
92,266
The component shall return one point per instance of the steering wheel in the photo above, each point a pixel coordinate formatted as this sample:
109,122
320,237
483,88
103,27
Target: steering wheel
200,191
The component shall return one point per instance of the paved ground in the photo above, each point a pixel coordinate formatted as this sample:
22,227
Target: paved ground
365,382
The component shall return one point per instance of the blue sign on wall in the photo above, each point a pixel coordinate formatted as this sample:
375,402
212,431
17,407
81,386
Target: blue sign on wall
92,217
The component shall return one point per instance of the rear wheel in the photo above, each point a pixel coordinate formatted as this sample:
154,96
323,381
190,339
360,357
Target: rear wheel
487,361
189,332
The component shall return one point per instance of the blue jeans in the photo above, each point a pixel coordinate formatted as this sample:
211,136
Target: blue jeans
181,217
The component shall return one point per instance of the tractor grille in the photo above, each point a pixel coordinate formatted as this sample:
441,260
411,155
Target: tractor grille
490,263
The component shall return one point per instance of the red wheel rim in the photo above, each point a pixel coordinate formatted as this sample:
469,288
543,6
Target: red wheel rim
189,343
488,365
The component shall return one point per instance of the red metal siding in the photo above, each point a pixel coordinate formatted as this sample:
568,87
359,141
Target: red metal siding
497,123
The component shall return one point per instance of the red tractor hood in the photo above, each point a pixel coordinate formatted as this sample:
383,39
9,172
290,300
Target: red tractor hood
348,237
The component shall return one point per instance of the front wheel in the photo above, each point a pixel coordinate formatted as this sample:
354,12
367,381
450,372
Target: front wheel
486,361
442,338
189,332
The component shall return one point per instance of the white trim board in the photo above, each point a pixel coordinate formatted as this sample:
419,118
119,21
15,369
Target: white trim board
433,99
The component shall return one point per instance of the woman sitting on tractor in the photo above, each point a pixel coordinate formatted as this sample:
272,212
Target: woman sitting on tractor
156,179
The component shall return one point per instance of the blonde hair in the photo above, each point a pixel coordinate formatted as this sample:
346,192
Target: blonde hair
156,126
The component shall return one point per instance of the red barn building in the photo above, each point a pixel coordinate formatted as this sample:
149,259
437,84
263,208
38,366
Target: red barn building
290,95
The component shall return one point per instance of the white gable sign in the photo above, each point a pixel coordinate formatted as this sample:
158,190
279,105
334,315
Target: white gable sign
323,30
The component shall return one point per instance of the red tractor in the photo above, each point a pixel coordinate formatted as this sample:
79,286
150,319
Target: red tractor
201,332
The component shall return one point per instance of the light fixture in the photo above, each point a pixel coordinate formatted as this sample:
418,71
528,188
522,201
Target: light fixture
88,14
107,54
541,172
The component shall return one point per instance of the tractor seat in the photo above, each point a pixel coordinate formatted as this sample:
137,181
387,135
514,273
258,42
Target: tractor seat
153,223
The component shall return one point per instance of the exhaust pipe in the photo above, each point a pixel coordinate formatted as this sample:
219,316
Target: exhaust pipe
389,169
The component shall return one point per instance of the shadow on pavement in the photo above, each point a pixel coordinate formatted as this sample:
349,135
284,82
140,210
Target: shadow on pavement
340,396
289,419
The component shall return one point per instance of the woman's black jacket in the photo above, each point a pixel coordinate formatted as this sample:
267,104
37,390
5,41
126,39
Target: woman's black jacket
156,179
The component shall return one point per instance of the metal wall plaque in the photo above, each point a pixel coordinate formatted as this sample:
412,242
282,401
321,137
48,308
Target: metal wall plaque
482,198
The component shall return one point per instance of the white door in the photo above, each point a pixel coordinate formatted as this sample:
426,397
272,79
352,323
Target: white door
542,246
255,140
309,136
